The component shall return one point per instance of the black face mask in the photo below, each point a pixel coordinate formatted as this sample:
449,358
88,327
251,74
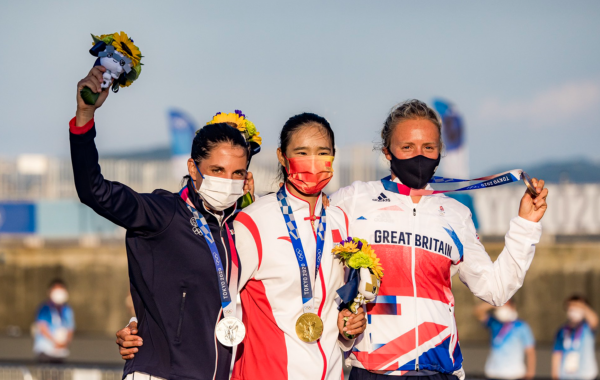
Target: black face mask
414,172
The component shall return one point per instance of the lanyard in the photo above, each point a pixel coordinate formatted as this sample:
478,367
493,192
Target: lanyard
290,223
227,292
488,181
575,342
506,328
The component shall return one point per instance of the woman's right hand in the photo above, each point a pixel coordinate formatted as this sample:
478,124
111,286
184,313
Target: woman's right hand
85,112
129,342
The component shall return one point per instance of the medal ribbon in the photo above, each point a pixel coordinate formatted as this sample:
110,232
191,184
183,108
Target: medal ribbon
488,181
228,292
290,222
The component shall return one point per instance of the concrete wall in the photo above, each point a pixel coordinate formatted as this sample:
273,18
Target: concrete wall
98,282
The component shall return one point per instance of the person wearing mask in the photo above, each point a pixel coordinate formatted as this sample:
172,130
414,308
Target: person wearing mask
512,352
181,257
574,355
422,239
54,325
289,276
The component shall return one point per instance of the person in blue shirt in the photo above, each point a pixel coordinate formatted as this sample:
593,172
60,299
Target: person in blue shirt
54,325
574,356
512,351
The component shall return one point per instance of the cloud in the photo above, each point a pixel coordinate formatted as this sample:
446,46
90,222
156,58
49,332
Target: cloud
559,104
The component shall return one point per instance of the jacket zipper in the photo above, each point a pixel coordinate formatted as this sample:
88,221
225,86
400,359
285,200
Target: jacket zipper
413,261
181,315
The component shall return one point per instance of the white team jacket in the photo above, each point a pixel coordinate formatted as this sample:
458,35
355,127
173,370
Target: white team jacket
271,294
411,324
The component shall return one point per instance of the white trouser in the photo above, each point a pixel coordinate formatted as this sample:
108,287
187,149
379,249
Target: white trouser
142,376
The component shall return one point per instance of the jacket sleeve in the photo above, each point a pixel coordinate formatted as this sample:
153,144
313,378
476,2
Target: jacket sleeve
249,247
142,213
496,282
344,199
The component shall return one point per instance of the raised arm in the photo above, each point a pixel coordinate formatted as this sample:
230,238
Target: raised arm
496,282
144,213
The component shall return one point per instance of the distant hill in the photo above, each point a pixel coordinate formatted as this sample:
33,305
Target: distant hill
573,171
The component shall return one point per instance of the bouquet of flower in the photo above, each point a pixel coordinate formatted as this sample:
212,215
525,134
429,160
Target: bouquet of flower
365,274
238,120
122,60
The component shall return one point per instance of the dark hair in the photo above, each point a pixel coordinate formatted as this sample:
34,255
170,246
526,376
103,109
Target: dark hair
577,297
408,110
211,135
57,282
294,124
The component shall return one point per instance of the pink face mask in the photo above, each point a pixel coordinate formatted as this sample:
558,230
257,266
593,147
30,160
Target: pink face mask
310,174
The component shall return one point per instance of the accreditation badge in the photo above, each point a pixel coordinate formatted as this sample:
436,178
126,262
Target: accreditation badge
309,327
571,363
230,331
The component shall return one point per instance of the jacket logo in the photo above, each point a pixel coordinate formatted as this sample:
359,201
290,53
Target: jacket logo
442,212
381,198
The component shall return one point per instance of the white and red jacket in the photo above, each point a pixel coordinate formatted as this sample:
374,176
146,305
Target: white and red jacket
271,293
411,324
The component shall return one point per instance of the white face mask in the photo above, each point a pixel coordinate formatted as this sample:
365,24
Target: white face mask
59,296
221,193
575,314
506,314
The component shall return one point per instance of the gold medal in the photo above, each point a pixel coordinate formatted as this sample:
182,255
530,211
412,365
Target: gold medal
309,327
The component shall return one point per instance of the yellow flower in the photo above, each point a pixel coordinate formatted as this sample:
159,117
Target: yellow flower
256,138
377,268
230,118
125,46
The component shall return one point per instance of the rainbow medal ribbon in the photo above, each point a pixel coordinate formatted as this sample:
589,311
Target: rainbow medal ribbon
489,181
230,331
309,326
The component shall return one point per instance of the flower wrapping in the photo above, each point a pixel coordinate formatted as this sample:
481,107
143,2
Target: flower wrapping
364,277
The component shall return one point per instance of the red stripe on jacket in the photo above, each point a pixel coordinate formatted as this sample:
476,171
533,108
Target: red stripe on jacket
247,221
264,339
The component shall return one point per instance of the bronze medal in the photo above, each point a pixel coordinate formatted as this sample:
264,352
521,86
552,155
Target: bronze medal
309,327
530,188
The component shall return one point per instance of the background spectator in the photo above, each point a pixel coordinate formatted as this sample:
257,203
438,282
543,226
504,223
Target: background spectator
54,325
512,351
574,356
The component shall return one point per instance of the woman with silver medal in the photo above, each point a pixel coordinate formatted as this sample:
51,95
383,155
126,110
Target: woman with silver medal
183,265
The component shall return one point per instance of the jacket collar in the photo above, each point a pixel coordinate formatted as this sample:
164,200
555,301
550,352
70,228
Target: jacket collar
298,204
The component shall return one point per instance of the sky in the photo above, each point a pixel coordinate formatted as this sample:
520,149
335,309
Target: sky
525,75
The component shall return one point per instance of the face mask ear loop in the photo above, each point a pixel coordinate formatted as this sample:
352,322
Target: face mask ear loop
288,162
198,169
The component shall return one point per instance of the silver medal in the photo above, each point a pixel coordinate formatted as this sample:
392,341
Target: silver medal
230,331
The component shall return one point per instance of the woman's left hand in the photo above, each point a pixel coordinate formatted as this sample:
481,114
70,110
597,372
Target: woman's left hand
357,323
533,209
249,185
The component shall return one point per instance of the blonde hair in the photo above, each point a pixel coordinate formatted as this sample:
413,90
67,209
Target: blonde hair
408,110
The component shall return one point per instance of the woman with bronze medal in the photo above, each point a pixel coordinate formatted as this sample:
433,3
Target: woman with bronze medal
183,265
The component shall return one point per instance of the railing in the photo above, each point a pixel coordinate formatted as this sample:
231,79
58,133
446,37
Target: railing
58,372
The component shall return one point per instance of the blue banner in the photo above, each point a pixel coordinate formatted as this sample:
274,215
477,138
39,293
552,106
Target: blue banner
183,130
17,218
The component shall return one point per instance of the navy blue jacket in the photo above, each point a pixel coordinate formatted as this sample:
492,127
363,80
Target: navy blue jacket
172,275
